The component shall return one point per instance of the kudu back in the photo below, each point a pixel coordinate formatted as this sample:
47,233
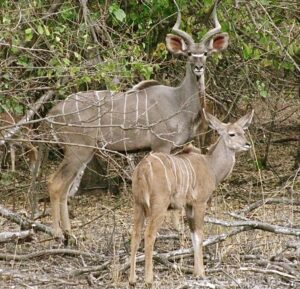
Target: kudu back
150,116
162,181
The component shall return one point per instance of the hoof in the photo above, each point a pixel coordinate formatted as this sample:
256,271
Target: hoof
132,280
148,284
200,277
70,240
132,283
58,236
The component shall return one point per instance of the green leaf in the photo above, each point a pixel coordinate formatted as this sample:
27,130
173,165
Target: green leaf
66,61
77,55
117,12
28,31
40,29
247,51
47,32
28,34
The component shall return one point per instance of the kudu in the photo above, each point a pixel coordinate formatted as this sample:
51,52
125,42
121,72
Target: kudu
150,116
162,181
8,120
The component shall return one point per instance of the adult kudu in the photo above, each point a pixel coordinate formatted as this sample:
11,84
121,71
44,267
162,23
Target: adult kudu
150,116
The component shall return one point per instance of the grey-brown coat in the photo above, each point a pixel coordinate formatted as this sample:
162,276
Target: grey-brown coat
162,181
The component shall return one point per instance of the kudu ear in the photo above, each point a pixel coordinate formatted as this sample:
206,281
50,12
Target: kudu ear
218,42
213,122
176,44
245,120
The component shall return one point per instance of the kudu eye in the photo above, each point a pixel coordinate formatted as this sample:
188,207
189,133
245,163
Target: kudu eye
232,134
189,53
205,53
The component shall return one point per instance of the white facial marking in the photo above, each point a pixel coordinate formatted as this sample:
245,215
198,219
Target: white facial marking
198,55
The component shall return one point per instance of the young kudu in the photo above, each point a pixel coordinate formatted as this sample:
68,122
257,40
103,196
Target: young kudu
186,180
150,116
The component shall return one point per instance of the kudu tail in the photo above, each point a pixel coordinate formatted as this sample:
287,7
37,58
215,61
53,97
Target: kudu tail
141,187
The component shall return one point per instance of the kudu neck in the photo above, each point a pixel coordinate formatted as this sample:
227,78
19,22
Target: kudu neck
191,84
221,160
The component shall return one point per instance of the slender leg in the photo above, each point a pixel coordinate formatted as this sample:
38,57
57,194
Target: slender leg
55,187
195,215
155,222
13,157
176,216
138,222
60,184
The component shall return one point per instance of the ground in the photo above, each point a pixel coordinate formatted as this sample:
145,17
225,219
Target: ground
101,222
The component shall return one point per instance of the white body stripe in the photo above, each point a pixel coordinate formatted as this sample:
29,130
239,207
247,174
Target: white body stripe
165,169
150,170
179,173
63,109
99,118
77,107
193,173
53,131
124,121
146,112
187,177
137,108
111,118
174,167
125,109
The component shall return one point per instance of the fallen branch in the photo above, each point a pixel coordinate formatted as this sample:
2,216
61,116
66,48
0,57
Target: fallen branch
269,201
86,270
43,253
6,237
288,139
265,271
183,253
255,225
23,221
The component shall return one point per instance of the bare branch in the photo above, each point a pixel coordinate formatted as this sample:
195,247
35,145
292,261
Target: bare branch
255,225
23,221
6,237
29,114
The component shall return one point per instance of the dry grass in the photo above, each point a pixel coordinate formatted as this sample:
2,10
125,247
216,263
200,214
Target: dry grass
107,237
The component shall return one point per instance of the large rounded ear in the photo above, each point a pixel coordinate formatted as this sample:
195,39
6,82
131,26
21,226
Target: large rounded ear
214,123
176,44
218,42
245,120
